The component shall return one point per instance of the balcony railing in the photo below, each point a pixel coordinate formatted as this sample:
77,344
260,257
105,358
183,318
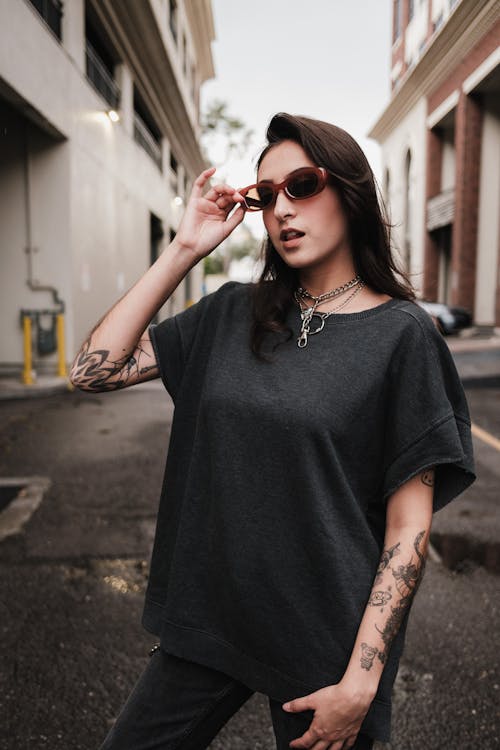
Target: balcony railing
146,139
100,77
441,210
51,11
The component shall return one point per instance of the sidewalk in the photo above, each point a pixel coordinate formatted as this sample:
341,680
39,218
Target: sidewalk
72,589
477,359
46,385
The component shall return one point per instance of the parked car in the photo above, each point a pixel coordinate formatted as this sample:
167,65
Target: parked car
449,319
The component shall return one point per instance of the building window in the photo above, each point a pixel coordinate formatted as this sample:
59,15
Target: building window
51,11
174,175
396,31
387,186
192,81
146,132
173,18
156,235
408,198
443,239
184,55
100,62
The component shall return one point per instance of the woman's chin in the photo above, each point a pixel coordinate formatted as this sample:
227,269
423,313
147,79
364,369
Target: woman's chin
294,259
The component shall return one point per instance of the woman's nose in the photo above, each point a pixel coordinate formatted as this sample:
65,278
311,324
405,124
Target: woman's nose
283,206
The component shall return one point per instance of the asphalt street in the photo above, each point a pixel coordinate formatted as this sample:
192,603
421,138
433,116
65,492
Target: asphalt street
73,580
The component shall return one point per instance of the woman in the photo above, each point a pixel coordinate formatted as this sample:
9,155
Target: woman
319,421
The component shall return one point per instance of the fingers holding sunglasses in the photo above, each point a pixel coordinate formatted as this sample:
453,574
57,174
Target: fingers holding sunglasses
225,203
208,220
229,203
224,196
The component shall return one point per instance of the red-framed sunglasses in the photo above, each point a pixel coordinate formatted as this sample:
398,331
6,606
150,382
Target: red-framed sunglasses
300,184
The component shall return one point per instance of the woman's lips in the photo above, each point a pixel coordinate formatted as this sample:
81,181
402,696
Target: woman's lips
291,237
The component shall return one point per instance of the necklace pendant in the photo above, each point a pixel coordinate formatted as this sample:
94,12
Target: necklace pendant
304,332
302,340
321,323
306,316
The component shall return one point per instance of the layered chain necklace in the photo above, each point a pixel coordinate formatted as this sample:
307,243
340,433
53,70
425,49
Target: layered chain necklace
307,313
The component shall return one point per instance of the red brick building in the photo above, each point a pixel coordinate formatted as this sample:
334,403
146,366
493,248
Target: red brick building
440,138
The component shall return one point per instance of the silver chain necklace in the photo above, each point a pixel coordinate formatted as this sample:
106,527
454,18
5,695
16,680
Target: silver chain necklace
332,293
308,313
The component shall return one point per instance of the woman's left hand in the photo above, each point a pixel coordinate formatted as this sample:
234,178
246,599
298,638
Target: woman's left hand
339,711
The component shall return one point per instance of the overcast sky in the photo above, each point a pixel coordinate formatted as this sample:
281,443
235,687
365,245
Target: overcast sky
328,59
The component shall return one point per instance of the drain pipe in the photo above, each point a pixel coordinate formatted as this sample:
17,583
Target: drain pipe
32,283
35,285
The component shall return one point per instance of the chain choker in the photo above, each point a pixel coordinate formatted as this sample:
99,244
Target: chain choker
332,293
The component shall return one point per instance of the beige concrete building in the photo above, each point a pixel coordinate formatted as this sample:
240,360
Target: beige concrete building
87,201
440,138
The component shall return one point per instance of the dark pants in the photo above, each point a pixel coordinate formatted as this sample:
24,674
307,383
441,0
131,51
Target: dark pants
179,705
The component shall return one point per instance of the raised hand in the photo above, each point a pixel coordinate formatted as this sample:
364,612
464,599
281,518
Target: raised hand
205,223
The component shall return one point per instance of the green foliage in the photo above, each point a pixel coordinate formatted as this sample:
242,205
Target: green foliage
216,121
241,249
213,263
220,129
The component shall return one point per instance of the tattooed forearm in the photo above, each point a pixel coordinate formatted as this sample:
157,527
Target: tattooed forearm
385,559
95,371
368,654
380,598
407,578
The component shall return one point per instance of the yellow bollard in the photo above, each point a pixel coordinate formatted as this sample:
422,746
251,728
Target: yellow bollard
27,376
61,356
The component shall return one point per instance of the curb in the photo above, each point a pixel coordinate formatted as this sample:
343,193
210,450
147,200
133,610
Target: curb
481,381
12,389
459,551
21,508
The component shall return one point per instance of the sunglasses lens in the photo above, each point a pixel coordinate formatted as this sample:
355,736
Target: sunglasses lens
303,185
259,197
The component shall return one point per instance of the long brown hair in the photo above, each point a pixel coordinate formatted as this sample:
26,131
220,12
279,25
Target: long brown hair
369,231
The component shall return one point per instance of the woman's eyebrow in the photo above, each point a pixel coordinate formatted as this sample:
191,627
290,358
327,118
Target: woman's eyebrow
286,176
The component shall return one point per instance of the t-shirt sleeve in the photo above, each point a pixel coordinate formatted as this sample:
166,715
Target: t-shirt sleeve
428,422
173,340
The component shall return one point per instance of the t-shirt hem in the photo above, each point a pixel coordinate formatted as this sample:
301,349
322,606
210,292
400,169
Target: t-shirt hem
205,648
430,462
416,457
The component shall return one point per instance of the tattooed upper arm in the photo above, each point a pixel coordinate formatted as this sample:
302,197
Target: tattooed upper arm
96,370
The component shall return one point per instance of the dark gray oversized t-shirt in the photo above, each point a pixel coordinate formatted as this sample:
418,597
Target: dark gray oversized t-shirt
272,511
